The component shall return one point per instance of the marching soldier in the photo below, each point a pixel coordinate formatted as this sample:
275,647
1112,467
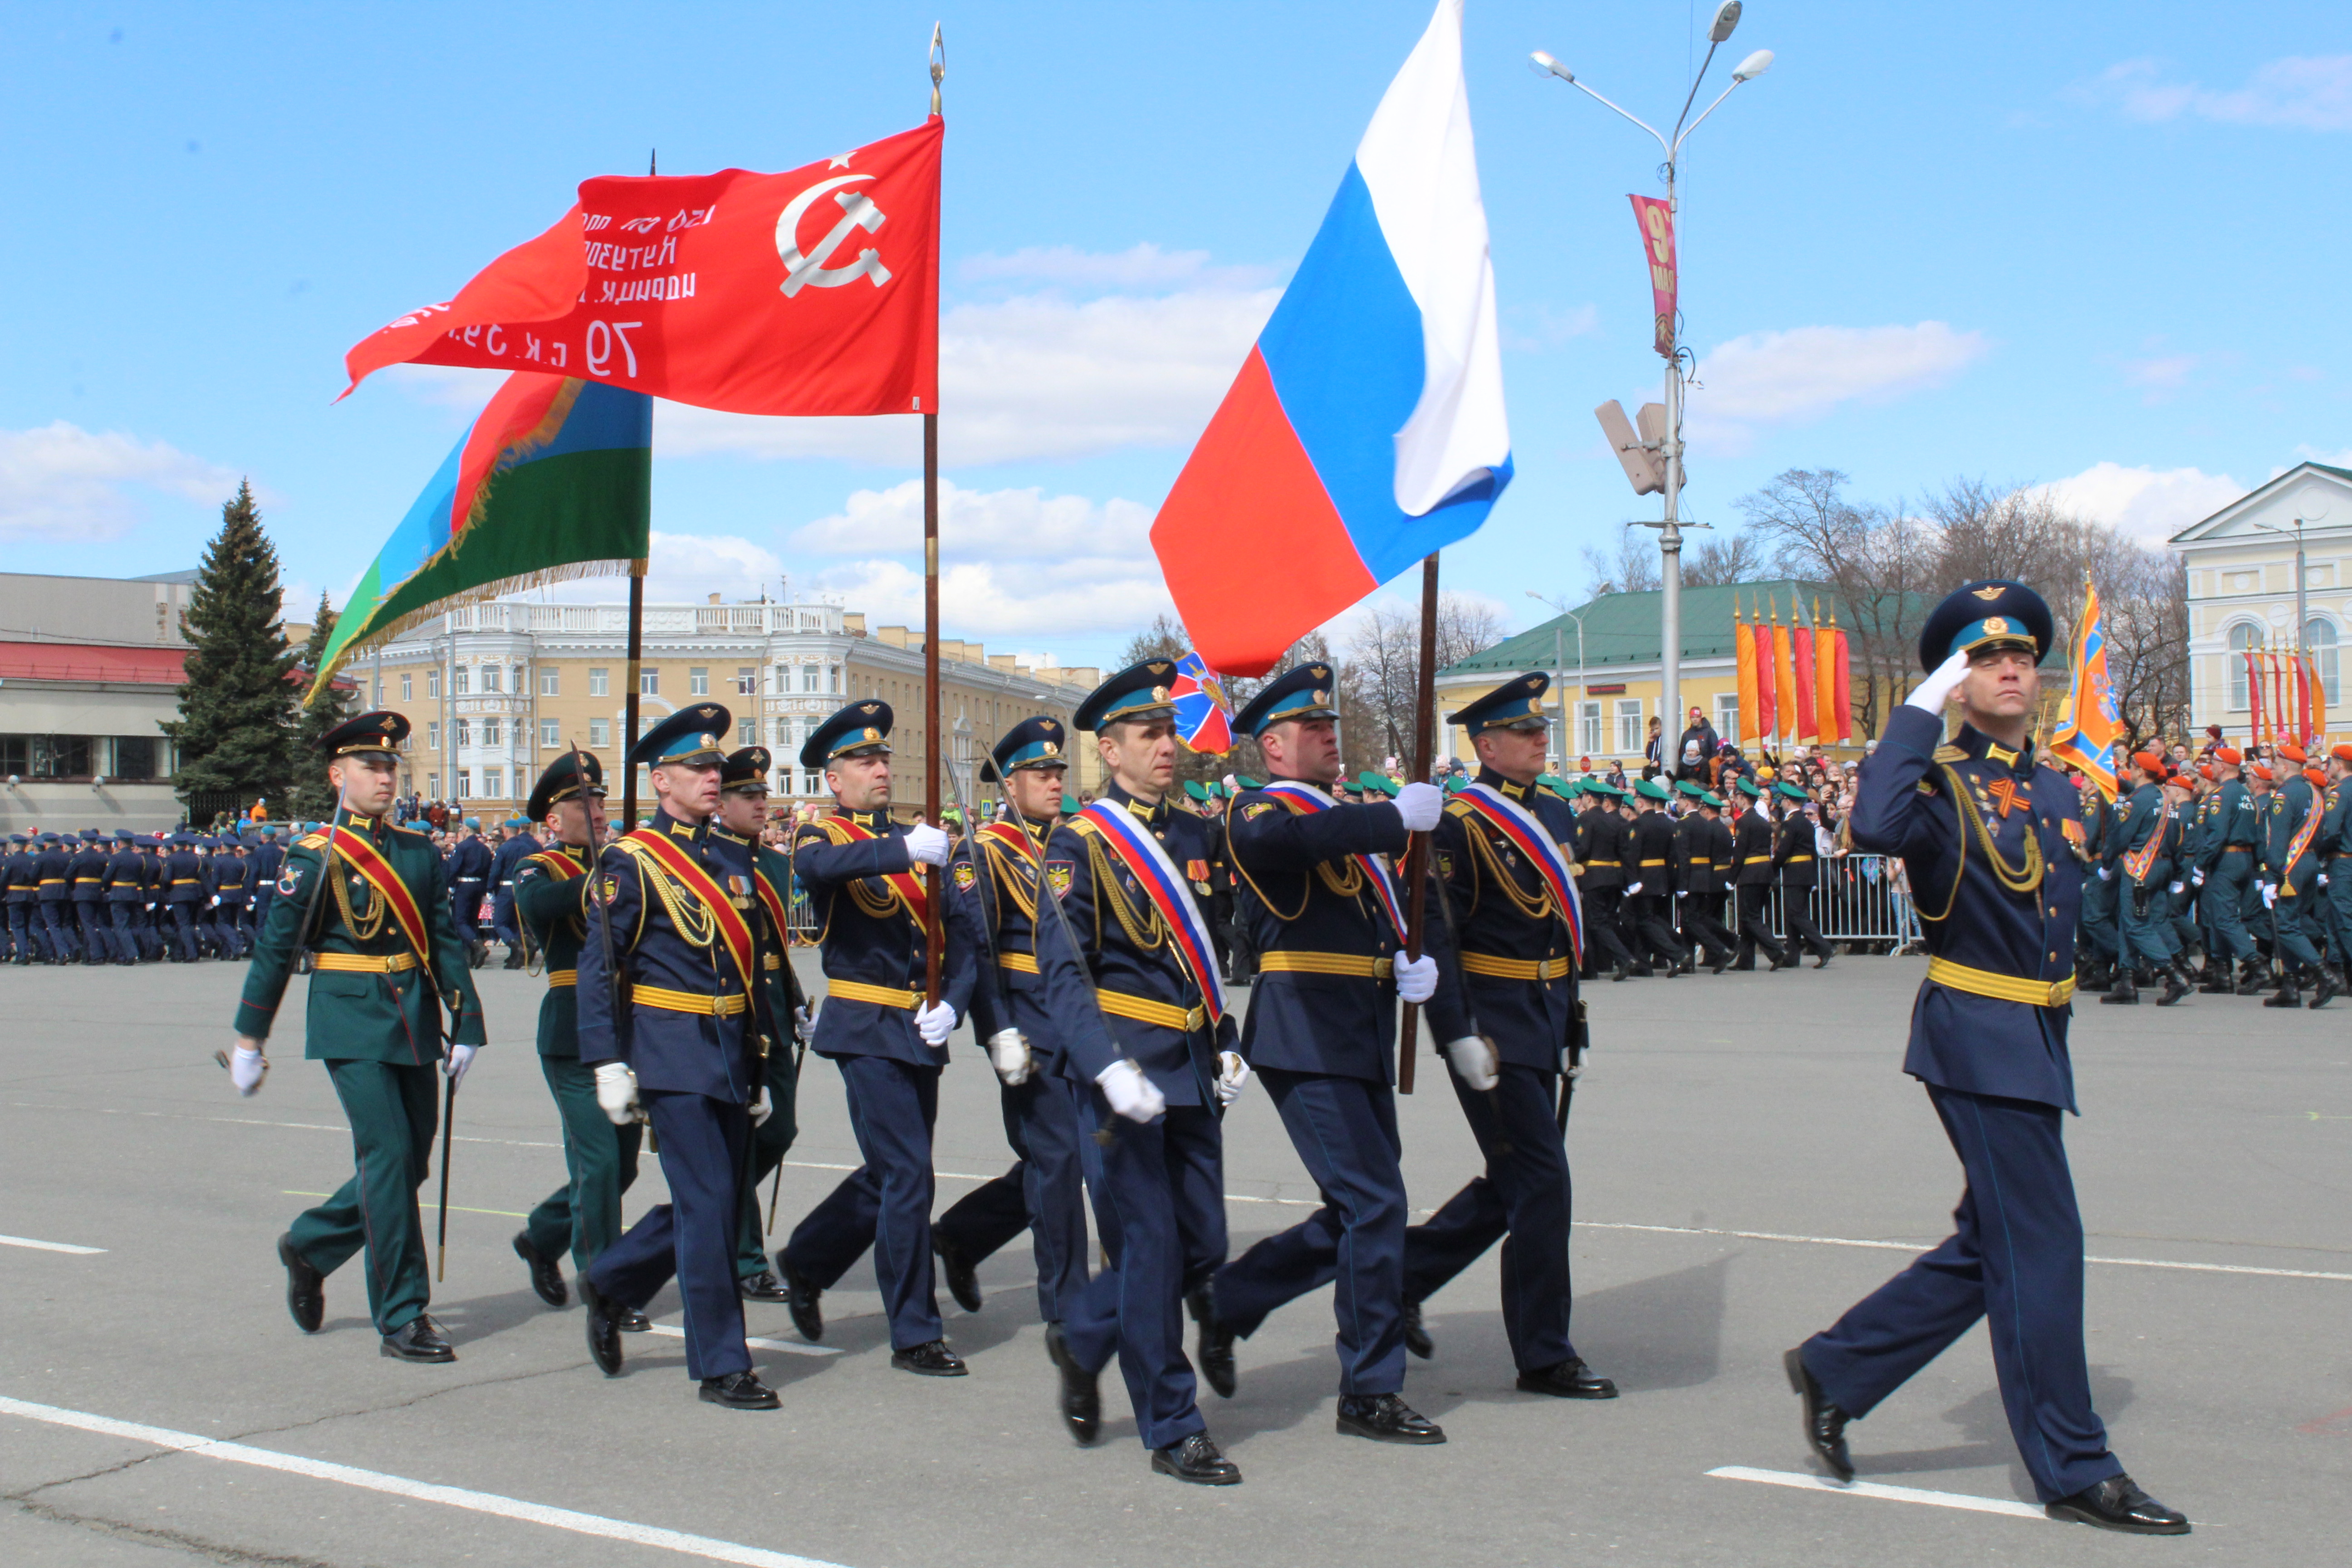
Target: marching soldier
123,886
768,882
1649,877
268,857
379,925
469,874
2136,858
1331,970
1793,858
24,889
1513,907
1752,849
1983,827
859,868
1146,1045
1698,889
995,877
1601,850
87,873
552,898
2290,870
518,846
2102,924
2335,852
673,1024
235,897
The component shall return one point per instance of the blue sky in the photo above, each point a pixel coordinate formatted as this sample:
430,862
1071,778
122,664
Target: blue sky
2088,245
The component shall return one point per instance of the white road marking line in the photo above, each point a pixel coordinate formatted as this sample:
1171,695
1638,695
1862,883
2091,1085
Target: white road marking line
703,1546
1916,1248
50,1246
794,1346
1878,1489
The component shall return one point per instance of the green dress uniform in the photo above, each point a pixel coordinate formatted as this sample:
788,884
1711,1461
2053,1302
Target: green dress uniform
377,1024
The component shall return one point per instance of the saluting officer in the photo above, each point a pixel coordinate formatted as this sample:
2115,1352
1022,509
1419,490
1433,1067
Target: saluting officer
552,898
379,925
860,869
1752,849
673,1023
996,876
1793,858
1983,830
1146,1043
1321,1030
1500,865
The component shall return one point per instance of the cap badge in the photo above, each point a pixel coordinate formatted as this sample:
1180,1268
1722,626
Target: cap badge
1157,666
1050,749
1319,699
872,733
1988,592
1996,626
869,708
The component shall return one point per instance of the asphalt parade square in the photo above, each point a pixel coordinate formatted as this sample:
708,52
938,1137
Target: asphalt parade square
1748,1160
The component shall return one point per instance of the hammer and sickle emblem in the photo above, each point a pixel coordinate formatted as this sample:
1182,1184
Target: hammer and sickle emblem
809,269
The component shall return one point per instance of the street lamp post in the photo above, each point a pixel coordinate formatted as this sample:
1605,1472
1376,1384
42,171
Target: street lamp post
1670,534
1558,675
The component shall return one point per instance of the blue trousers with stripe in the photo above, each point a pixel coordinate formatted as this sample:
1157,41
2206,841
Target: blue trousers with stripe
2015,1259
705,1145
885,1203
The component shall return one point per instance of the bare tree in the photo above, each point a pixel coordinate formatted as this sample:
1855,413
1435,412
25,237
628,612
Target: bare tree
1632,570
1383,668
1724,559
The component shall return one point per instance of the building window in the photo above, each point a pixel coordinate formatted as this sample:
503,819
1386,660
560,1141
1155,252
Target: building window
599,683
461,683
433,735
746,678
809,675
648,682
461,732
522,680
493,734
833,677
599,733
2243,640
2320,634
465,783
698,681
494,782
747,732
1591,737
490,677
134,757
783,734
551,733
1727,718
550,683
408,689
1629,726
431,684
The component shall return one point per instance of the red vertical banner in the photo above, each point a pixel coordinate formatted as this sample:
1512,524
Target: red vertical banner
2318,702
1801,639
1658,223
2254,698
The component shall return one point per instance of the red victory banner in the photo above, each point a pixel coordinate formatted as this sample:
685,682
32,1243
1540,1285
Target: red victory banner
1658,223
812,292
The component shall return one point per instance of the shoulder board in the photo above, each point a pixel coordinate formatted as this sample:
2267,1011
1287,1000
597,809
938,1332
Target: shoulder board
406,832
1083,825
1547,789
1950,754
1458,808
312,841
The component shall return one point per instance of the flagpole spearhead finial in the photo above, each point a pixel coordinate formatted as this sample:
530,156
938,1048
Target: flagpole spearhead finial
939,62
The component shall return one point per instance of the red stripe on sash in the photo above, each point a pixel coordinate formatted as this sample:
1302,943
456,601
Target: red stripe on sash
905,884
698,881
355,848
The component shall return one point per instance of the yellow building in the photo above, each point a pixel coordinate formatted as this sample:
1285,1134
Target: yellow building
2242,590
495,691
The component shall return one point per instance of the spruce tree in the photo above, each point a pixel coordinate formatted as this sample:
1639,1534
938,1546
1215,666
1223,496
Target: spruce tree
235,727
312,797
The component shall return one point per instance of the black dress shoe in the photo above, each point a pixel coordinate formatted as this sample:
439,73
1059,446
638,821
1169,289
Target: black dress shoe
629,1321
930,1359
962,1273
603,1328
419,1339
1081,1399
1214,1345
1781,961
1824,1422
1385,1419
1571,1379
546,1275
1416,1336
801,1297
1721,962
1196,1459
762,1287
738,1390
1822,959
305,1288
2117,1503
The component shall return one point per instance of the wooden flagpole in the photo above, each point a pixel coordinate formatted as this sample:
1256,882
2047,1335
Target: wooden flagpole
1416,857
934,884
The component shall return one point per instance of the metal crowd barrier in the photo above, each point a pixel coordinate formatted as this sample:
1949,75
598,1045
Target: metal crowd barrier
1861,897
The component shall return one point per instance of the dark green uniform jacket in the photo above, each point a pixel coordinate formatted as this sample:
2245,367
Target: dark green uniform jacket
550,891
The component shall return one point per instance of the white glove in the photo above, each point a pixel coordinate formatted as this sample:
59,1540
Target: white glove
1231,1074
926,846
1931,694
455,1064
1420,804
1632,889
2176,889
2269,894
2106,875
616,1093
761,1108
1416,978
1008,1053
246,1068
2195,879
2323,880
1130,1093
805,1019
1474,1061
935,1023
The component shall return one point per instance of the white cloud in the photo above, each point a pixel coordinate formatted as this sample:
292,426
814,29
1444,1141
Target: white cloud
687,568
2145,503
2161,375
2306,453
61,482
1801,375
1140,266
2305,92
462,387
1536,327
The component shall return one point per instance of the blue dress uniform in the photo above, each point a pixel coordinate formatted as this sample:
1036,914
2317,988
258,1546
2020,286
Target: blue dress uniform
159,885
874,956
185,892
680,1004
22,887
230,871
381,917
469,875
1320,1033
1984,832
53,876
1162,1182
518,846
125,888
995,877
269,858
1518,969
86,872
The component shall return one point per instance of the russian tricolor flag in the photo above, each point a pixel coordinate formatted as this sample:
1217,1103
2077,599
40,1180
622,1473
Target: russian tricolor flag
1366,429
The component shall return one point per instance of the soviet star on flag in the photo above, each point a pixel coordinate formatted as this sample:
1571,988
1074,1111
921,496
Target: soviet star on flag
813,292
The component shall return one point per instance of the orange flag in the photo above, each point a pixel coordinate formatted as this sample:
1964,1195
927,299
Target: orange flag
1750,710
2318,702
1825,685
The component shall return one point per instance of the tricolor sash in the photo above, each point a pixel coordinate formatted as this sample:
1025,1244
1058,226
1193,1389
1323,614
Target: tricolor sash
364,860
1519,825
686,870
905,884
1140,853
1305,800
